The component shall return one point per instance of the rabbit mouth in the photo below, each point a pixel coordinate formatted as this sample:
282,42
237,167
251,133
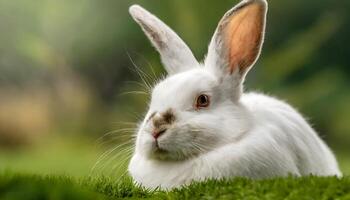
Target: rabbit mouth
158,149
162,153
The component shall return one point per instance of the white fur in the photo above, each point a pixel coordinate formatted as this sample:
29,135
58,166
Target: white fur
239,134
175,54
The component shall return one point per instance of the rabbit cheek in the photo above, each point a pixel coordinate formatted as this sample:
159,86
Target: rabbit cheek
145,144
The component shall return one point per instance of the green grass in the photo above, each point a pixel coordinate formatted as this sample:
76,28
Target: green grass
60,169
57,156
16,186
72,157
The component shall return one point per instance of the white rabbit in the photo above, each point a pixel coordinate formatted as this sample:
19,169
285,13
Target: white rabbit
200,125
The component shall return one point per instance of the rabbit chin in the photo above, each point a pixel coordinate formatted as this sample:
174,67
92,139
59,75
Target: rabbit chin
163,154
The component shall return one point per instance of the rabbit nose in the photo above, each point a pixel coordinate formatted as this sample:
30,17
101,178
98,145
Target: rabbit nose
161,122
163,118
158,132
159,126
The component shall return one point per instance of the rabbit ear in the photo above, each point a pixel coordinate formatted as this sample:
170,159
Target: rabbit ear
238,39
175,54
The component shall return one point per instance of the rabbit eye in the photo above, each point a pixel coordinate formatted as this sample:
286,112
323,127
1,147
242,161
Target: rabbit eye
202,101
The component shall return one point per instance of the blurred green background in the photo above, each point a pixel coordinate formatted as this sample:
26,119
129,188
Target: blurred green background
66,69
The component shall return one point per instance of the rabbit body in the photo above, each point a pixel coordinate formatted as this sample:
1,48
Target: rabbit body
279,142
201,125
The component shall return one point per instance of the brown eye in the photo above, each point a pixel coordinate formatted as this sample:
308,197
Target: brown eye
202,101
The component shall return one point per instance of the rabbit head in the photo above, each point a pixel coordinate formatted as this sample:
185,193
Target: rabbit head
197,107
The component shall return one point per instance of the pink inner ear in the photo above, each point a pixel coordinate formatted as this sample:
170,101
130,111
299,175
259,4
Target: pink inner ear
244,35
